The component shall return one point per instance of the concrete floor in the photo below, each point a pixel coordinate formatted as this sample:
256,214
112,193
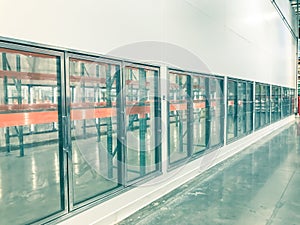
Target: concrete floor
260,185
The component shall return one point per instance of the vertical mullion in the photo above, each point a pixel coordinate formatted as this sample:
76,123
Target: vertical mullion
64,114
142,121
97,99
236,115
5,84
262,115
157,116
278,103
244,108
281,105
208,119
180,115
225,109
164,118
259,108
254,106
82,68
269,104
263,106
109,131
221,110
190,115
168,115
121,131
19,91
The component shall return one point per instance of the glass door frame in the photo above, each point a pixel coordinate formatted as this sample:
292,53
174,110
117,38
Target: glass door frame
157,123
62,151
189,113
120,146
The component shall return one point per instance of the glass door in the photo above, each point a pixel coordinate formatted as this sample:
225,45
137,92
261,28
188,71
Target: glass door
142,122
32,182
200,112
231,109
216,111
178,109
93,93
241,108
249,107
257,105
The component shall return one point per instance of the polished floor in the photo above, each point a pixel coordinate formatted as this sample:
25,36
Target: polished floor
260,185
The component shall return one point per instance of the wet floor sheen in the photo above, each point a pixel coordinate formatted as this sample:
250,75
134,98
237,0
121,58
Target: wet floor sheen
258,186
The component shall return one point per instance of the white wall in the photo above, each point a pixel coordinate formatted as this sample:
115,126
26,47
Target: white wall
240,38
289,13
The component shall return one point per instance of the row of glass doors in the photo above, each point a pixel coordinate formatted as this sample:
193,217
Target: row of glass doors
76,128
73,129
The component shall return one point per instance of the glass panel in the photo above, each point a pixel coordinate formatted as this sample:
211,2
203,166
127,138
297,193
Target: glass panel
276,103
178,113
292,100
285,102
267,104
249,106
257,106
142,150
30,181
241,111
263,105
279,97
200,114
94,126
216,111
231,110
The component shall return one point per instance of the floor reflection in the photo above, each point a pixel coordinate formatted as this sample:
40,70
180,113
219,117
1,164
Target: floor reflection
257,186
29,185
